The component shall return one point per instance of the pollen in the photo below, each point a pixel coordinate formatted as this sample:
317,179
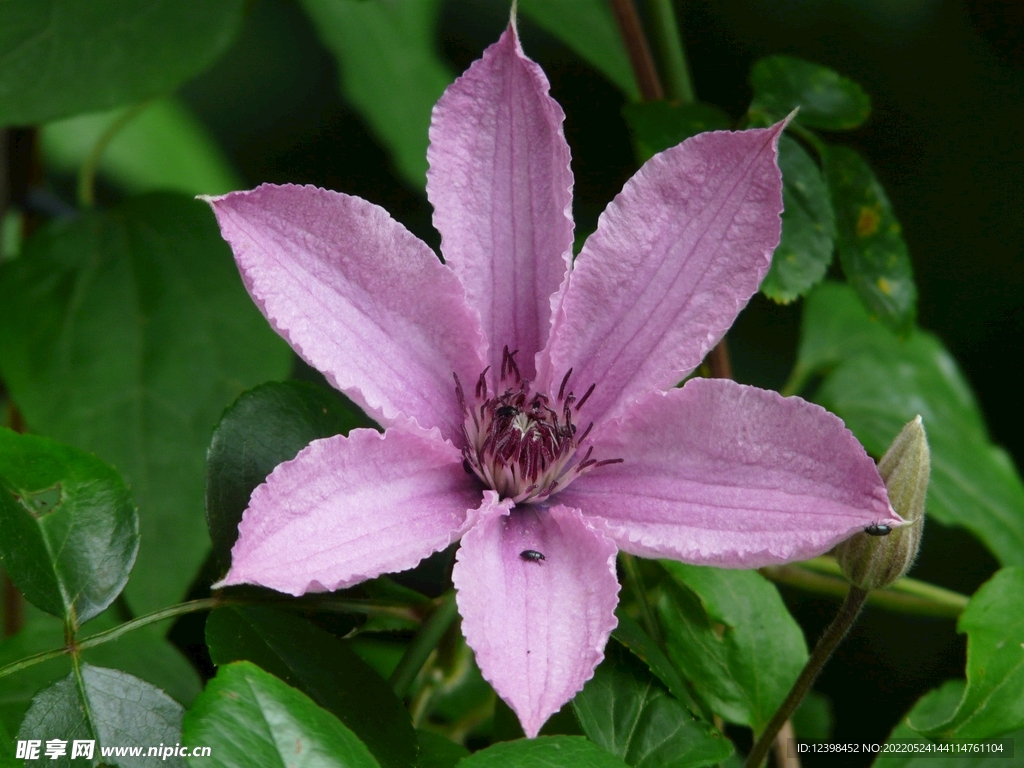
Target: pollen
520,442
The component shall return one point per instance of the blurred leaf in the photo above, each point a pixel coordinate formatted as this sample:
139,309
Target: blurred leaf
934,707
877,382
658,125
992,704
110,707
826,99
71,531
264,427
63,57
437,751
389,70
588,28
382,655
543,752
871,247
248,717
731,635
808,227
164,147
143,653
624,709
813,719
632,636
321,666
126,332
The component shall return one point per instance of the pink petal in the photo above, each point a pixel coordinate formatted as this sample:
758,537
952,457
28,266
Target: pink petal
723,474
538,628
501,187
347,509
675,257
358,297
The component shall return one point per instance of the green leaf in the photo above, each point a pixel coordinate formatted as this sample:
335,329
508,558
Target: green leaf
588,28
389,70
248,717
264,427
826,99
731,635
112,708
71,532
935,707
877,382
164,147
144,653
624,709
632,636
813,719
437,751
543,752
992,704
871,247
658,125
808,227
126,332
62,57
321,666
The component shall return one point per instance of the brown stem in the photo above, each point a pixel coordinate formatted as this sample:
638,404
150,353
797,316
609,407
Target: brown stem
639,51
822,652
14,608
783,759
718,361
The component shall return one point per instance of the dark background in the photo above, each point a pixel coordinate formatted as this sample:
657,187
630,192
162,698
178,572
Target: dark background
945,78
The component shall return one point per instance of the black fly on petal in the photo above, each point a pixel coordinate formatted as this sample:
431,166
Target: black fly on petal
532,556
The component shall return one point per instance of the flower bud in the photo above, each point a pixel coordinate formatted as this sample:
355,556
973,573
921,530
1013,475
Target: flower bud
874,561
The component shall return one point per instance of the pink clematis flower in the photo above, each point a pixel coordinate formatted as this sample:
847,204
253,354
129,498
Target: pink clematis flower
530,404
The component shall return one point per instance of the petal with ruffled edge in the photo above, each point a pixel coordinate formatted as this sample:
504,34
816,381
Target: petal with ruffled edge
359,297
501,187
538,627
718,473
675,257
347,509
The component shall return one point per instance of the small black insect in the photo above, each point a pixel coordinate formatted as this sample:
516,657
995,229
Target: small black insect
507,412
532,555
877,530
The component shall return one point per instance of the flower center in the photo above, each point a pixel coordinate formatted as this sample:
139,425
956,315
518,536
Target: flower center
521,442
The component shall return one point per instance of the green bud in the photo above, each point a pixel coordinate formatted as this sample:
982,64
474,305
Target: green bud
873,562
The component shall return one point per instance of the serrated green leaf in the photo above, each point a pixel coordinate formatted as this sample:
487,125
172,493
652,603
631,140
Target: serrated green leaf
871,246
164,147
71,532
144,653
248,717
109,707
624,709
321,666
267,425
992,704
437,751
826,99
543,752
62,57
877,382
731,635
935,707
632,636
808,227
658,125
588,28
126,332
389,70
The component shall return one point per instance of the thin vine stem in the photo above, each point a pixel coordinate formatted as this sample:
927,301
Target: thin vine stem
675,73
822,652
87,175
906,596
423,644
638,49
